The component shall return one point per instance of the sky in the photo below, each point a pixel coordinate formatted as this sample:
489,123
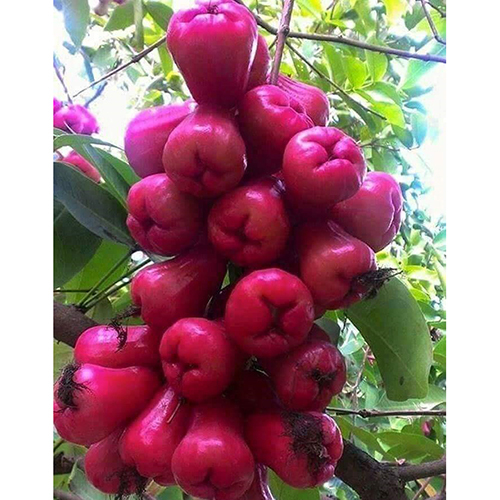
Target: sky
113,114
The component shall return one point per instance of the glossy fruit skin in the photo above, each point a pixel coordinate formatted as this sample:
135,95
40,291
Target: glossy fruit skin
106,470
309,376
269,312
270,437
213,44
205,155
57,105
261,66
85,167
269,118
259,490
253,391
163,219
147,134
110,397
314,100
77,119
330,261
373,214
198,359
100,345
213,460
151,439
323,166
178,288
250,225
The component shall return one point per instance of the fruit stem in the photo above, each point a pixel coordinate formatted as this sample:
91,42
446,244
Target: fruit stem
283,31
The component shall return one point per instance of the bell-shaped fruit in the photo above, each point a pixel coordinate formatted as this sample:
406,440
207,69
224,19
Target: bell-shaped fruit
314,100
259,490
323,166
163,219
126,346
92,401
373,214
333,264
205,155
178,288
198,359
77,119
213,460
85,167
261,66
269,118
250,225
57,105
151,439
301,448
269,312
106,470
213,45
147,134
307,377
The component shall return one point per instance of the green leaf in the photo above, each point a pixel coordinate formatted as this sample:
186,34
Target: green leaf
63,354
395,9
76,19
355,70
367,438
416,444
440,352
416,69
331,328
122,167
80,485
167,63
74,245
392,112
76,140
91,205
419,127
170,493
395,329
435,397
160,12
377,64
281,490
122,17
107,255
335,66
312,6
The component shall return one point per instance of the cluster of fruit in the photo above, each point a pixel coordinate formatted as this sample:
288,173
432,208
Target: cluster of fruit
220,384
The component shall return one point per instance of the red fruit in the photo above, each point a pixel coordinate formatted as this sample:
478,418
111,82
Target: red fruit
198,359
77,119
151,439
250,225
301,448
261,66
57,105
308,377
205,155
91,401
106,470
163,219
269,312
253,391
213,45
259,490
269,118
213,460
178,288
373,214
314,100
147,134
332,264
323,166
85,167
104,346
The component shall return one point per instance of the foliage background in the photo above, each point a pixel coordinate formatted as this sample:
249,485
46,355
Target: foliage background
380,100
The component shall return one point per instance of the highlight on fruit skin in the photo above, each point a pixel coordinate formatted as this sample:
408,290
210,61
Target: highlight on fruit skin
85,167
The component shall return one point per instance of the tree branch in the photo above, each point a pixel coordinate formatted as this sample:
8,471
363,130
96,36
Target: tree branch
434,30
419,471
61,78
441,12
63,464
69,323
283,31
379,413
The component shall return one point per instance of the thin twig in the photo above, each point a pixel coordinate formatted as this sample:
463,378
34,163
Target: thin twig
61,79
440,11
133,60
434,30
422,488
419,471
283,31
337,87
389,413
